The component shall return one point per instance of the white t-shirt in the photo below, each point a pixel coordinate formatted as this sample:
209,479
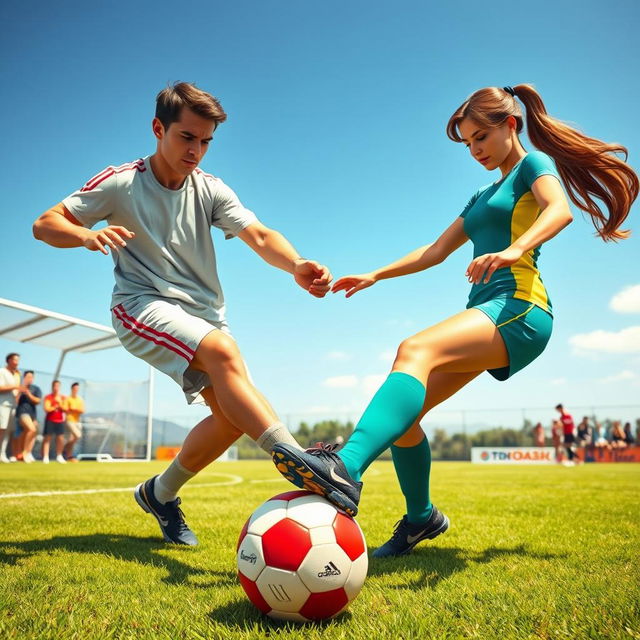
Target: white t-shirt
8,379
172,255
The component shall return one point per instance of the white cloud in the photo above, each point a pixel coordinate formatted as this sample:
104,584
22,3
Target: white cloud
627,300
623,341
337,356
388,356
341,382
619,377
558,381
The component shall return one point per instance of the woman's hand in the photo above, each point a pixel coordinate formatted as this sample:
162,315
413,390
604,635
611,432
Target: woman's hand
353,284
483,267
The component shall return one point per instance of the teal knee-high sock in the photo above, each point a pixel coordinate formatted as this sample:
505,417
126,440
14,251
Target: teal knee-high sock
393,409
413,467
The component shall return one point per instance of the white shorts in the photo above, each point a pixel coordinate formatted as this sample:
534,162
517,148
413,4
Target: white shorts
7,413
166,336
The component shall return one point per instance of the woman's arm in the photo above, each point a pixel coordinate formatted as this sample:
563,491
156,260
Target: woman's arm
418,260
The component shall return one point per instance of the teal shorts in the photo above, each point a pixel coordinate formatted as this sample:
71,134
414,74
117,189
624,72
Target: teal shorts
524,327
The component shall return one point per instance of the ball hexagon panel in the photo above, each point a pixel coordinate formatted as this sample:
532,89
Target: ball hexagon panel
250,557
349,535
282,590
252,591
321,606
266,515
285,545
322,535
311,511
357,576
326,567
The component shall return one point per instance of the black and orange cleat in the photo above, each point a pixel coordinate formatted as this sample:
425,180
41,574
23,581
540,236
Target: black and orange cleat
319,469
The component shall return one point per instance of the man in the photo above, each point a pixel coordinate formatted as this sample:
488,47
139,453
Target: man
167,306
75,408
26,422
54,422
9,388
568,429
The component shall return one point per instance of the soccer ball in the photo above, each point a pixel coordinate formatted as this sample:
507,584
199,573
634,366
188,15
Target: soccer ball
301,559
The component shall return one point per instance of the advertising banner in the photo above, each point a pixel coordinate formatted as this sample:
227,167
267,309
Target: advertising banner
513,455
602,454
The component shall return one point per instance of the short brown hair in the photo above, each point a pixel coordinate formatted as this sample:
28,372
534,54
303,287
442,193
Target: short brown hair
170,102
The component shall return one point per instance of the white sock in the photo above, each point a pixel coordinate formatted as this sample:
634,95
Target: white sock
169,482
274,435
3,442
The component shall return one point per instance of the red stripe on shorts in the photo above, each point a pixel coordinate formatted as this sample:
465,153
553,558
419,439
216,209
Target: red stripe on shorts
160,334
140,332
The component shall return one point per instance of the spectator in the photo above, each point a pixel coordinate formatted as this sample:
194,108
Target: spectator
618,437
585,433
538,435
599,436
628,435
9,388
54,421
26,423
638,431
568,429
75,408
556,438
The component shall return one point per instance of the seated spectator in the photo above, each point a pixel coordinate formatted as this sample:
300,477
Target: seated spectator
599,437
538,435
618,437
638,431
26,423
628,435
585,433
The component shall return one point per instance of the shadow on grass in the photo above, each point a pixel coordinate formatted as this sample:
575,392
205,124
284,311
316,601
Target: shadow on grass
437,563
241,615
129,548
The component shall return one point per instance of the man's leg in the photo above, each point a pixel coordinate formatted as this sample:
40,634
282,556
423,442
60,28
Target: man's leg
240,402
45,447
28,426
209,439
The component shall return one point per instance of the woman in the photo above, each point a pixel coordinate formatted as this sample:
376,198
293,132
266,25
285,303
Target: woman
507,322
618,436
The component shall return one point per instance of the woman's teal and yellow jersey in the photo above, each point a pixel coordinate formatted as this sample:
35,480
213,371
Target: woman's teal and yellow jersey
495,217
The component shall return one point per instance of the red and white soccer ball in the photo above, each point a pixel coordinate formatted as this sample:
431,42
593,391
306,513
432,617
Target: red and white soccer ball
301,559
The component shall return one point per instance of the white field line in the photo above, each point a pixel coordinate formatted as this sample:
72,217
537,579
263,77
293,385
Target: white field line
232,479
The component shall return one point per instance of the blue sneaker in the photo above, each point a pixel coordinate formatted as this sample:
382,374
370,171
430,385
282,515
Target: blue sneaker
407,535
319,469
169,515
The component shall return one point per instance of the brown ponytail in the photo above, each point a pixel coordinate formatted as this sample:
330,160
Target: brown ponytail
587,166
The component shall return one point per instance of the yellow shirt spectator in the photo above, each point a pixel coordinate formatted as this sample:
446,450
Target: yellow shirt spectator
75,408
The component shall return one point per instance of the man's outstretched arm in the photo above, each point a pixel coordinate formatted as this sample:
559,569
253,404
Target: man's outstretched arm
276,250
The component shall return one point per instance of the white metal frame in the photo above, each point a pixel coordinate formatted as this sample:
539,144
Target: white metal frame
105,339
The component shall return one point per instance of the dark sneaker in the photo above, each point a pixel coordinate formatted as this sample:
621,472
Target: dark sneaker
407,535
169,515
320,470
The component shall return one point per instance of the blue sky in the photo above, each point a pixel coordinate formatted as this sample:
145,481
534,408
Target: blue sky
335,137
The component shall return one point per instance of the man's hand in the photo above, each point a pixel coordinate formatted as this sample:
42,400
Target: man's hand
111,236
313,277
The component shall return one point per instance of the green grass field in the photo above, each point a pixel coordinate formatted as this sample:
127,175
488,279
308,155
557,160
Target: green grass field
537,552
